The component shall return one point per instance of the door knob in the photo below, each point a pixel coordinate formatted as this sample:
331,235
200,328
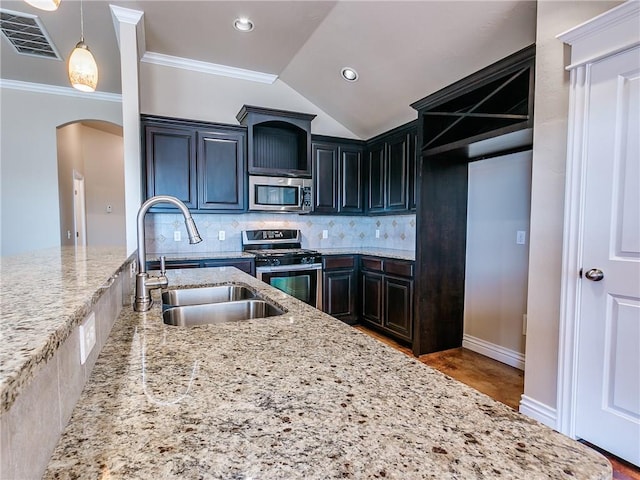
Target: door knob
595,274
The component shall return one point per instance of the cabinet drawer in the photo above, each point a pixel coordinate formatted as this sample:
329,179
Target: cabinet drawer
396,267
330,263
370,263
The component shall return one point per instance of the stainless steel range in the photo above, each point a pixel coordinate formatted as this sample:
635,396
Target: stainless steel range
283,264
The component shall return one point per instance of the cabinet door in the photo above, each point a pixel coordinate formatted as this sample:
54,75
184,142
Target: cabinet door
325,177
221,170
397,173
339,295
398,306
372,297
170,161
376,177
350,180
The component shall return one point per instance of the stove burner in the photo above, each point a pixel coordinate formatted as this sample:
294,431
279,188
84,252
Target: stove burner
278,247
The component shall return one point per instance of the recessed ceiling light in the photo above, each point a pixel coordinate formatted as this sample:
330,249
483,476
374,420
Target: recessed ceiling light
243,24
349,74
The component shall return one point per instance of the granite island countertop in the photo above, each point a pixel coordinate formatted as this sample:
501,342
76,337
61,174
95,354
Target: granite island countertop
301,395
44,295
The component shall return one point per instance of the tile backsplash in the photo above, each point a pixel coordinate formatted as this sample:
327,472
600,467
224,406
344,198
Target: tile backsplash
395,231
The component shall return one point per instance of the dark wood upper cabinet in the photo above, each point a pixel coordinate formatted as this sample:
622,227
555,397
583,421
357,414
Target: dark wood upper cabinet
170,160
397,167
325,177
221,179
337,175
202,164
390,174
351,166
279,141
376,177
490,103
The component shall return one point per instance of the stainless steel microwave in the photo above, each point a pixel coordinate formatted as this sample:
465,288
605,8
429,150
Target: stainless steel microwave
280,194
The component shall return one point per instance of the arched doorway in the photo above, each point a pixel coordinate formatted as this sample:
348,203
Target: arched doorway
90,152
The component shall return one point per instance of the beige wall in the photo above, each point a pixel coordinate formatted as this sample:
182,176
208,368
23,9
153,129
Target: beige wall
497,267
547,195
104,186
185,94
30,217
69,145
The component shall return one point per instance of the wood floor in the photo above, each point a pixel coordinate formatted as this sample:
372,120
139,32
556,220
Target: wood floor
495,379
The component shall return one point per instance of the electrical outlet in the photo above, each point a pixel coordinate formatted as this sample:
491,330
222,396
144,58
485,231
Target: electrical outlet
325,233
524,324
377,233
521,237
132,269
68,234
177,236
221,235
87,337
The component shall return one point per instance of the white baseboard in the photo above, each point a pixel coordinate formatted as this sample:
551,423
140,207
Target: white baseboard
539,411
491,350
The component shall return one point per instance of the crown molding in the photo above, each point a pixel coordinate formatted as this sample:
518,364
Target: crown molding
209,68
56,90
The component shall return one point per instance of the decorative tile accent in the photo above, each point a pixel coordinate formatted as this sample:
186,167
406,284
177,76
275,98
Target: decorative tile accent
344,231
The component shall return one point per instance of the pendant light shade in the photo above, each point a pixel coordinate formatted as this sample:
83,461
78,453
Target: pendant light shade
83,69
48,5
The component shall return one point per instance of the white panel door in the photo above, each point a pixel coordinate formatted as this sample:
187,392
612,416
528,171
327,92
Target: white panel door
608,376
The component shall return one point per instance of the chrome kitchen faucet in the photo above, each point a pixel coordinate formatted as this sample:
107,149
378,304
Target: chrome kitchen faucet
145,283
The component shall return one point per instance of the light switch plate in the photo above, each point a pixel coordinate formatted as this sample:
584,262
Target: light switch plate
87,337
377,233
177,236
325,233
521,237
221,235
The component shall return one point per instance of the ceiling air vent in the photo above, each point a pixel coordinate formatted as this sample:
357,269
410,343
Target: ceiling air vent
27,35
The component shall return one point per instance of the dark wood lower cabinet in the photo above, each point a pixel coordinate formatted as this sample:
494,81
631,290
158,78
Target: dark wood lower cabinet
339,287
247,265
372,298
387,296
398,305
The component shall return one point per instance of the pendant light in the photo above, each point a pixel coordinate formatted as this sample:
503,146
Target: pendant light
83,69
48,5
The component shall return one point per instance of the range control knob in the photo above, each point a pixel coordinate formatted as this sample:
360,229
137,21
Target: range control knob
306,260
274,262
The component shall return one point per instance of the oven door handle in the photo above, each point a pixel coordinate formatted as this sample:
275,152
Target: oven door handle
290,268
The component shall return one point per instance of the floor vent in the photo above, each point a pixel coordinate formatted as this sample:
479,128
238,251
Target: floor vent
27,35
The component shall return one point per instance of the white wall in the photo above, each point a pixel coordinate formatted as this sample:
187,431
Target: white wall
30,216
547,196
180,93
496,266
104,185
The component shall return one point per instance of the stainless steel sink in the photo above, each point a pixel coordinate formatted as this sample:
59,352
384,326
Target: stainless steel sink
202,295
211,313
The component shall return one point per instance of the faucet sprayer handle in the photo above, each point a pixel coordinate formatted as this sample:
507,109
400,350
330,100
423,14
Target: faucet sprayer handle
163,266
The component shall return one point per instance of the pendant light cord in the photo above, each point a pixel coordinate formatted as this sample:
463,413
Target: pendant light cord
81,23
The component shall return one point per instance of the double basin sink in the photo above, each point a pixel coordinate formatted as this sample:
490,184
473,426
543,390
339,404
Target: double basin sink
210,305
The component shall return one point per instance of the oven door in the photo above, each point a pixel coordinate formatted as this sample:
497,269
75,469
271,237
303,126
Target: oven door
303,282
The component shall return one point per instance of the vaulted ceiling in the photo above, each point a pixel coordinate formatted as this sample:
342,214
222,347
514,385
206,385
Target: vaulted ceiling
402,51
